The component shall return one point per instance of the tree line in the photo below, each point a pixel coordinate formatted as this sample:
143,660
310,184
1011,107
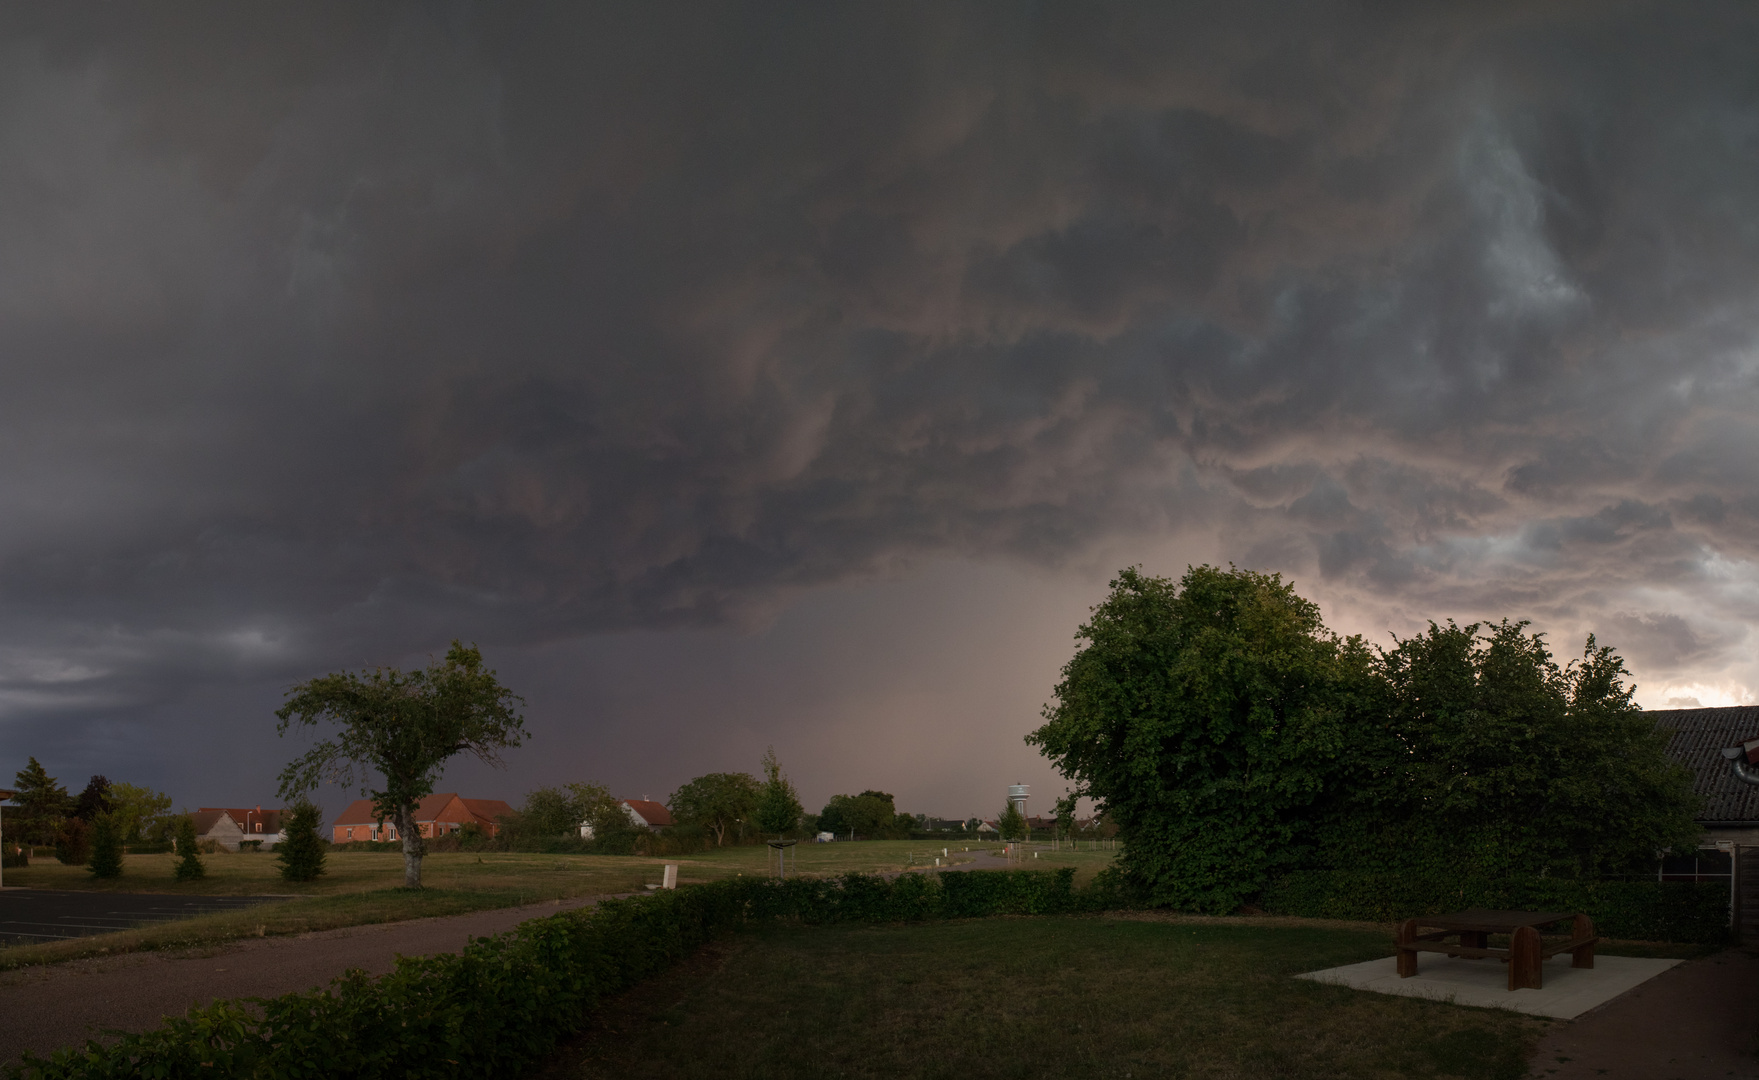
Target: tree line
1231,737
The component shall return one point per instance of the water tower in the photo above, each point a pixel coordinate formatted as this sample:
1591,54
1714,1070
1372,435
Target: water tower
1017,797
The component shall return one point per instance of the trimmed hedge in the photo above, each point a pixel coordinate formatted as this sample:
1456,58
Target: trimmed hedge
503,1002
1682,911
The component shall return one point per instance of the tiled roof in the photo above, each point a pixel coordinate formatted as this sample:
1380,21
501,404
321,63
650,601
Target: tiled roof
207,819
360,811
653,813
1698,738
489,810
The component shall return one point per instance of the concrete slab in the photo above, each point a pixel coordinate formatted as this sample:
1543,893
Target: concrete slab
1569,992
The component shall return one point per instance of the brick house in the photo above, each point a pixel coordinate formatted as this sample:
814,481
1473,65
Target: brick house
437,815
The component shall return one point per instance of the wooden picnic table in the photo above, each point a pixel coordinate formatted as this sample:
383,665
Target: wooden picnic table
1525,955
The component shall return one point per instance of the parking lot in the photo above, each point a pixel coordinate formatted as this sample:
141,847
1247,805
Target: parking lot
29,915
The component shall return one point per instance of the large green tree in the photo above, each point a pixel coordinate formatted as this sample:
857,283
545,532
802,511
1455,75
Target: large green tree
141,813
1205,716
41,804
778,804
719,802
873,814
404,726
1490,758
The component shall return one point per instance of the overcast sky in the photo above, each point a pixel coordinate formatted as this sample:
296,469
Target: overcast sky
799,375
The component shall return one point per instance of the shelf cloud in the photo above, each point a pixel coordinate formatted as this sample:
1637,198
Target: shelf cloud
330,333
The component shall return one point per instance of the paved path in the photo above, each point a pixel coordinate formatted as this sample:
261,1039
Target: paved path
1697,1021
33,915
64,1004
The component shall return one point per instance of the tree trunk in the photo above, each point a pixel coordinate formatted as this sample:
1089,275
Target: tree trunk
413,846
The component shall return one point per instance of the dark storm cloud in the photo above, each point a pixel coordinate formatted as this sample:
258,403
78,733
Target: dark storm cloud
330,333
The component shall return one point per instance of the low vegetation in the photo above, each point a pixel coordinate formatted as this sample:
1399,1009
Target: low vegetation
1046,997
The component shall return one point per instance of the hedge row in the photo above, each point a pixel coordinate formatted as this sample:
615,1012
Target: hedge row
1634,910
503,1002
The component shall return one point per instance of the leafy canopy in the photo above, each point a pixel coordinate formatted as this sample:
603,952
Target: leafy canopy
1490,757
404,726
1206,717
1230,736
718,802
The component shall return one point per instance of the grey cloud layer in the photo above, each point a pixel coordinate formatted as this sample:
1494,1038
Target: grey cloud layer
328,338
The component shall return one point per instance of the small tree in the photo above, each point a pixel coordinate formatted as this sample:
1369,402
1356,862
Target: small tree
301,855
189,863
94,801
778,805
106,859
1011,824
1065,813
404,725
73,842
717,802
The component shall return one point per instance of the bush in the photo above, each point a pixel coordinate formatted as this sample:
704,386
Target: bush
301,855
504,1001
73,844
12,856
189,863
1634,910
106,847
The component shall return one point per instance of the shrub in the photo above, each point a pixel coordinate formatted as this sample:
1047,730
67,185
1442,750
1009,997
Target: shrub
73,844
106,859
14,856
504,1001
301,855
1635,910
189,863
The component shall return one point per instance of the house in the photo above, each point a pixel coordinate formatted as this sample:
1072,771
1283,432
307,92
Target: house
644,814
218,826
249,823
437,815
1729,850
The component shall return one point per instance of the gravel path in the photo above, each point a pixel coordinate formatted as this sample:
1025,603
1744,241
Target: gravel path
64,1004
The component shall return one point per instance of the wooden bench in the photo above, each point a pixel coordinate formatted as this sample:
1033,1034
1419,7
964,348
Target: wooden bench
1527,950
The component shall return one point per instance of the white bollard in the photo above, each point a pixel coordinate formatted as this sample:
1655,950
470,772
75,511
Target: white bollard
943,853
671,880
937,862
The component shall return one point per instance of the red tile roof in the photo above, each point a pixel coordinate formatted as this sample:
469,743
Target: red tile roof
651,812
432,808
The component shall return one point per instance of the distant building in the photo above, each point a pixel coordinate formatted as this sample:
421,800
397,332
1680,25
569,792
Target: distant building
438,815
218,826
253,823
643,814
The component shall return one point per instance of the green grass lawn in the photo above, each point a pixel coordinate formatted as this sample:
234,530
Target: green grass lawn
1046,997
875,856
361,887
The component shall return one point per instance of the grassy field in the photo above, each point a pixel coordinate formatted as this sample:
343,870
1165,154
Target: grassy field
362,887
1050,997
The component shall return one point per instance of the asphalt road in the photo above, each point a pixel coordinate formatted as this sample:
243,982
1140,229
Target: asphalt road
45,1008
32,915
